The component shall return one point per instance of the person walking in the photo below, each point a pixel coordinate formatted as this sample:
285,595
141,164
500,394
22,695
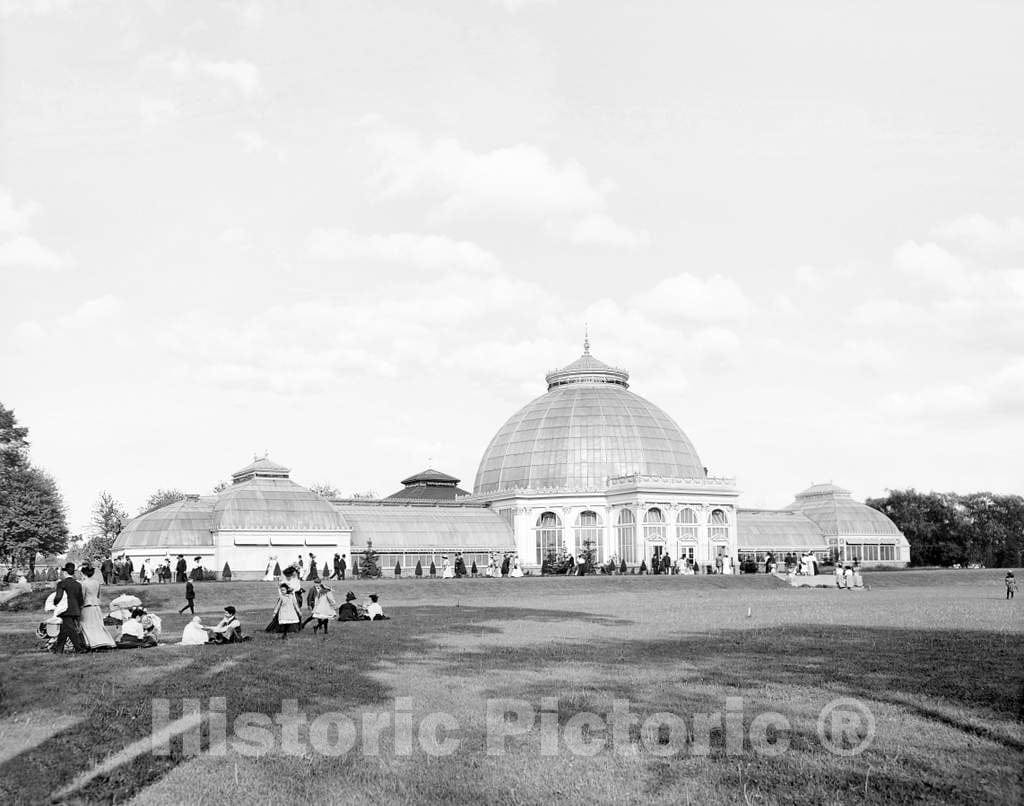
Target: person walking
69,590
1011,584
190,598
344,567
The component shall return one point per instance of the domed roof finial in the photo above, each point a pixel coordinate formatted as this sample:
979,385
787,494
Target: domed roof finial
586,339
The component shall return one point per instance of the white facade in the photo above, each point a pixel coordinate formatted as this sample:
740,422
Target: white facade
635,519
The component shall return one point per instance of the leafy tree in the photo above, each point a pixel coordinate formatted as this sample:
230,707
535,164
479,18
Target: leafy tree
108,517
32,516
369,569
93,549
161,498
324,489
220,486
226,573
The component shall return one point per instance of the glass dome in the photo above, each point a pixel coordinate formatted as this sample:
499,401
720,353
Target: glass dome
836,513
588,428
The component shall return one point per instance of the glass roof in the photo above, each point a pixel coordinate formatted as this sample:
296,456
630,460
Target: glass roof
578,435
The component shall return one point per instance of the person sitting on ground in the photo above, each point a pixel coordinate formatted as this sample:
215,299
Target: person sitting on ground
349,611
133,633
195,633
228,630
374,612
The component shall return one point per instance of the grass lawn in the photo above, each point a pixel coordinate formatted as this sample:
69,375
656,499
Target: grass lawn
936,658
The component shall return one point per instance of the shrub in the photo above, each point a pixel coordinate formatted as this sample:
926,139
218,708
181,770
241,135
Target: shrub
226,573
209,575
277,569
398,569
643,567
748,567
433,569
369,569
355,567
473,570
327,572
419,568
622,567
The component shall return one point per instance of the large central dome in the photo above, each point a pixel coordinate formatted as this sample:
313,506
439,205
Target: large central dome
588,428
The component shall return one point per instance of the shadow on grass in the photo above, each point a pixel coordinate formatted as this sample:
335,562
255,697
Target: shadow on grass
962,672
116,708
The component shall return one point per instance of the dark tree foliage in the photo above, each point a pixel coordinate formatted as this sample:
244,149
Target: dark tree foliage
161,498
369,569
32,517
108,517
419,569
949,528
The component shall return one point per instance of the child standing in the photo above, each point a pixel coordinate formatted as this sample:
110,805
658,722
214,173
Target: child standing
1011,584
190,598
286,613
323,608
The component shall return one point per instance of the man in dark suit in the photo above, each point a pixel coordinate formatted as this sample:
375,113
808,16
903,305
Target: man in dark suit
107,569
70,591
180,568
343,566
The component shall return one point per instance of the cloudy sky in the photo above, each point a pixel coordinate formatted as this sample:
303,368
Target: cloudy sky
357,234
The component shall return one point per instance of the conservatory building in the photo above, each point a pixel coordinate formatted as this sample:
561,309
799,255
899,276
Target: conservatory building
590,463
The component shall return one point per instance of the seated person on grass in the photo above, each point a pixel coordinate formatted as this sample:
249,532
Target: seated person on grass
374,612
350,610
228,631
133,633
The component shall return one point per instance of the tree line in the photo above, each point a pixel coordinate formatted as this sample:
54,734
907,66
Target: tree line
949,528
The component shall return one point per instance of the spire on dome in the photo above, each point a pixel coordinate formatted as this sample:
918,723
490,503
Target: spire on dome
586,339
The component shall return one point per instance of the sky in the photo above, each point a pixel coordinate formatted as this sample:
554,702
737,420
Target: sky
356,235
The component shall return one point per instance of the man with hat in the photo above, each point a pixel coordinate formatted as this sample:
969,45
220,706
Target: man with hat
69,590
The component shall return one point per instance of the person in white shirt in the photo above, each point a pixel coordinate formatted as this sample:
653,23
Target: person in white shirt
373,610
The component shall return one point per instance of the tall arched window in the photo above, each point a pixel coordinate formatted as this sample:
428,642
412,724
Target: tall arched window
718,523
549,535
589,531
625,536
687,526
654,525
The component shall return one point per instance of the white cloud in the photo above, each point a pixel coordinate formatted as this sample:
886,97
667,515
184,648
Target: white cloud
35,8
28,333
886,312
515,6
158,111
600,229
932,264
92,311
12,217
252,142
685,296
243,76
520,179
432,252
983,234
237,238
25,252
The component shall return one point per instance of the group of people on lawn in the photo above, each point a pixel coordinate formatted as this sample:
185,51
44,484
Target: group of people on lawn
76,614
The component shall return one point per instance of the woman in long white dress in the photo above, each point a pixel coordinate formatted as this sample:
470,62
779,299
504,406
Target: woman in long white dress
516,570
447,572
96,636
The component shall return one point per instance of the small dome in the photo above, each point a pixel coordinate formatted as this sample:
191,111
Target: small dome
429,485
835,512
588,428
267,503
181,524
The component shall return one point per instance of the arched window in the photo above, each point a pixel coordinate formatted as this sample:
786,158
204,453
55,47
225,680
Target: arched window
589,531
686,529
549,535
718,525
625,536
654,525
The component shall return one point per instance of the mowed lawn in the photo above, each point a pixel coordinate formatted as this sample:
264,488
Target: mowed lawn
936,658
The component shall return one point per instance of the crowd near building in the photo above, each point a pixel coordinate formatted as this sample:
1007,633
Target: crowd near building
587,466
